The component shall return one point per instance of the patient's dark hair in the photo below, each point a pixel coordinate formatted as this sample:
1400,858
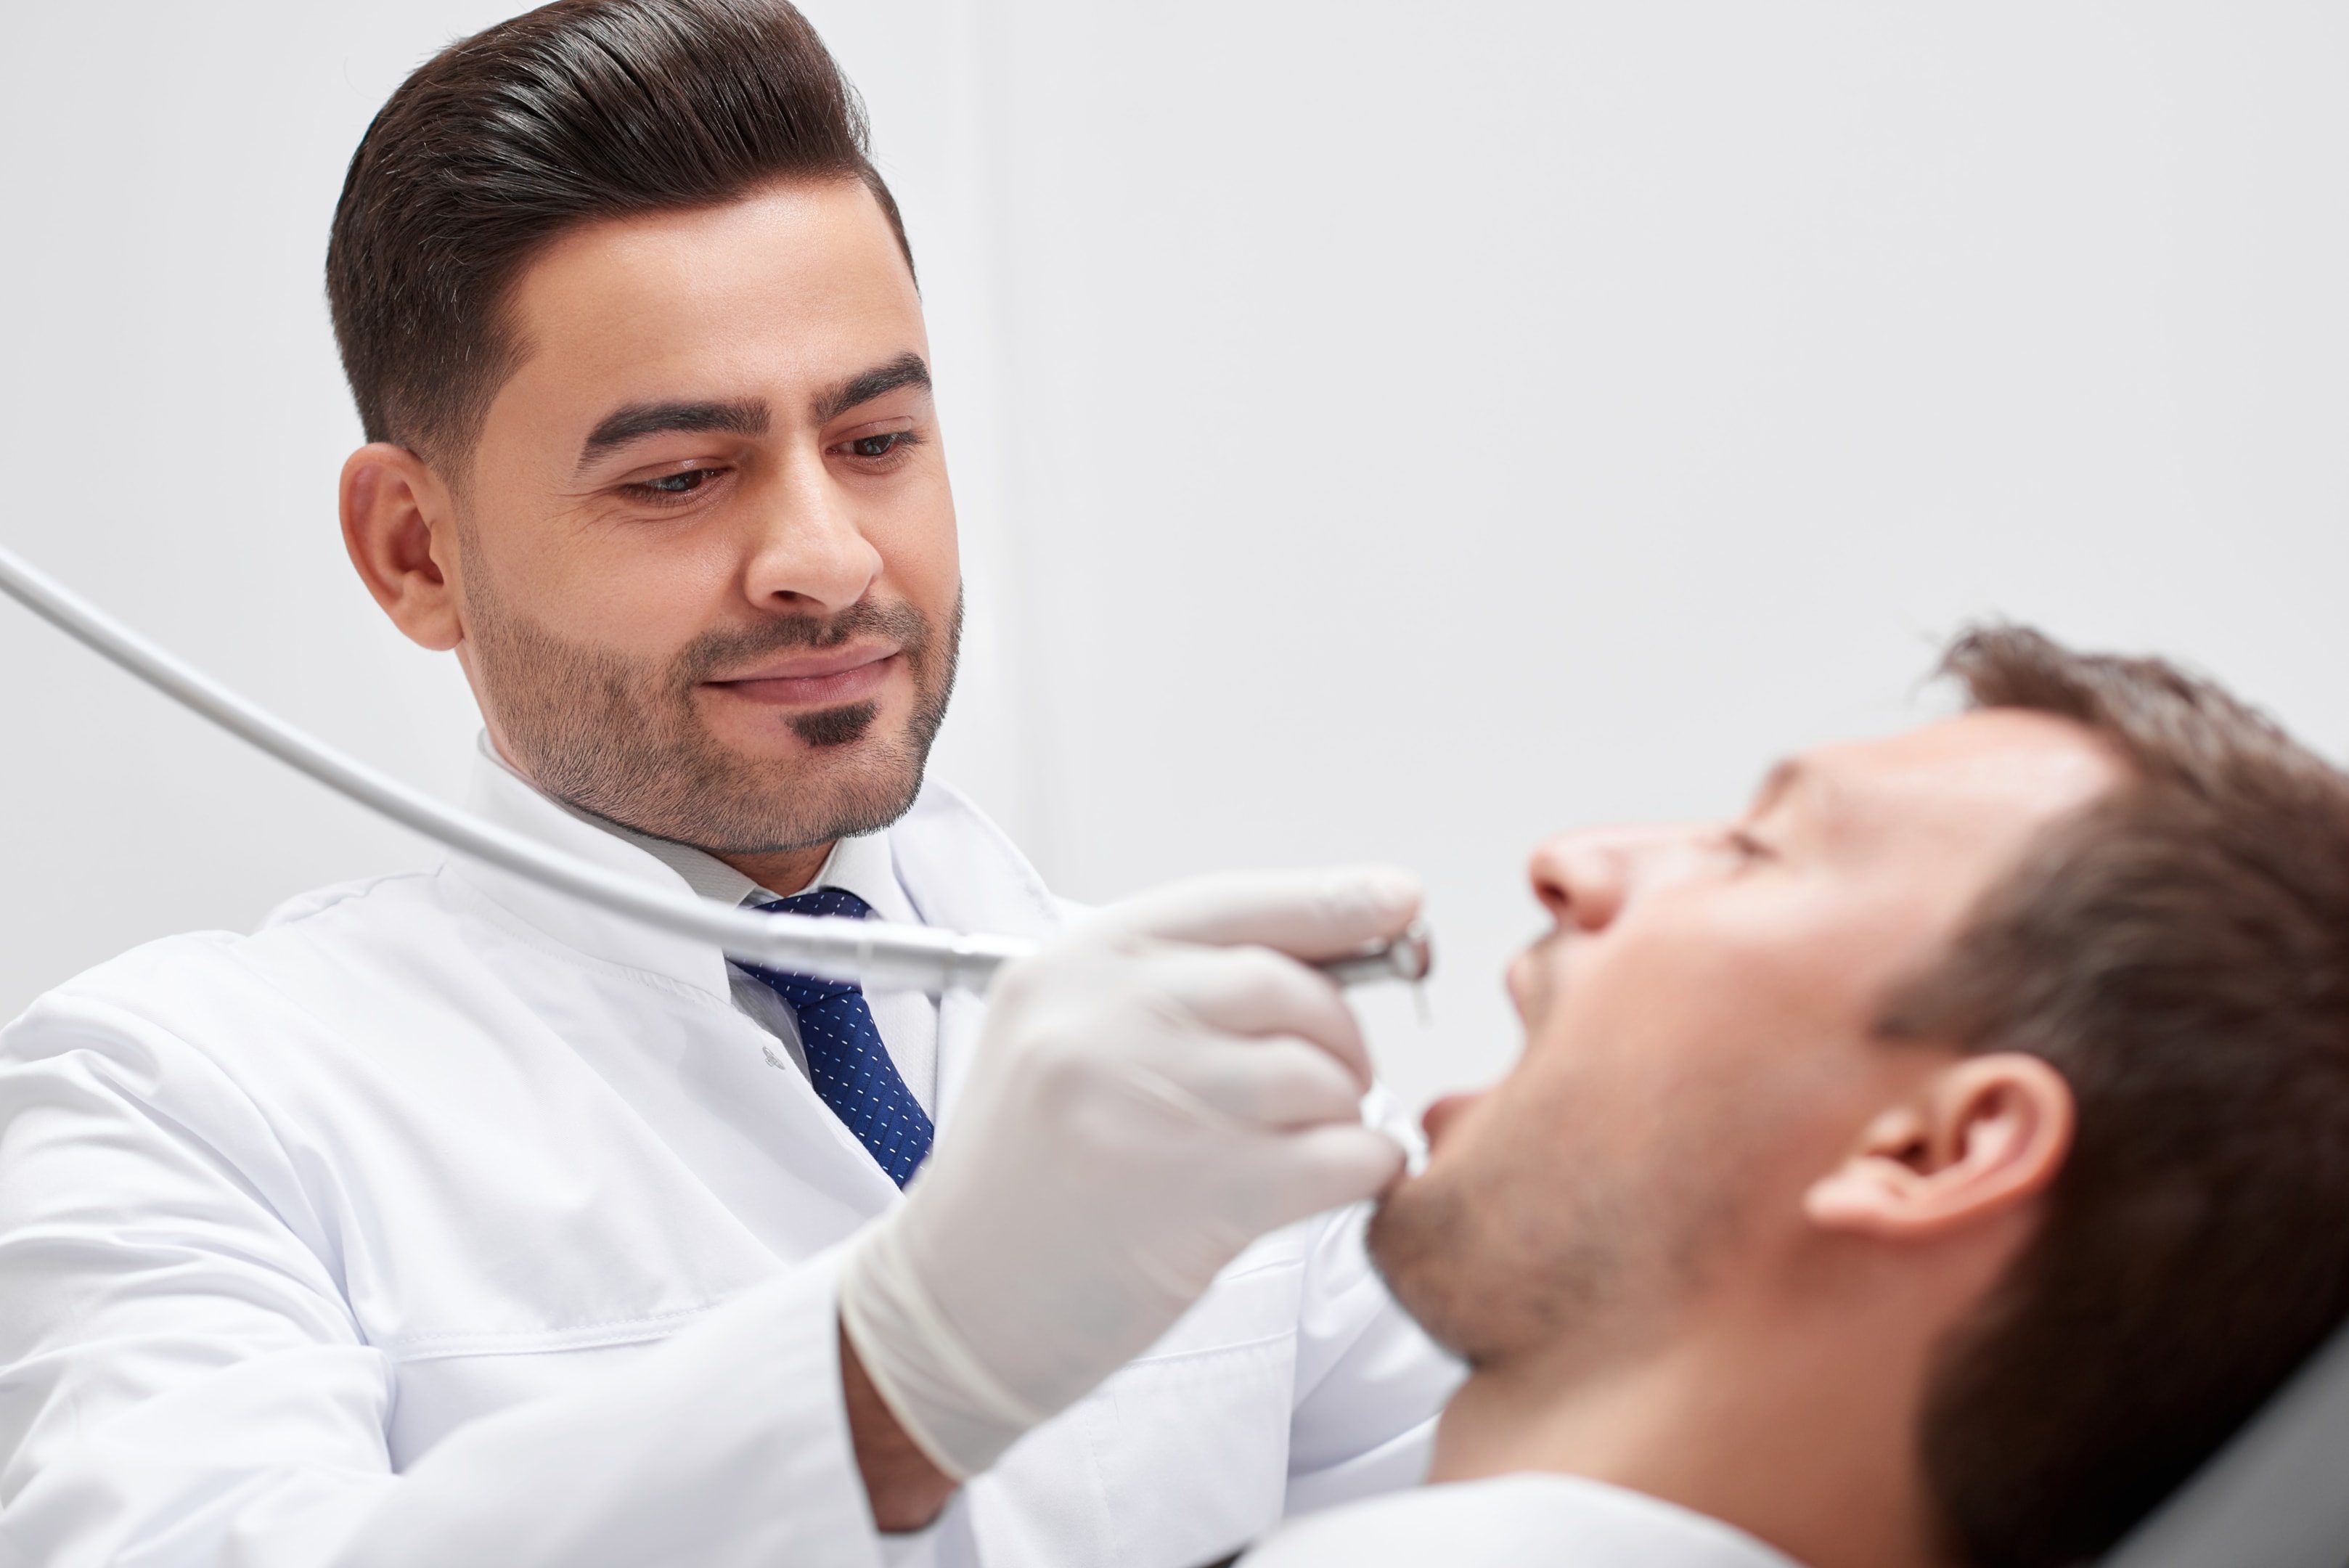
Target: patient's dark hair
504,142
2179,952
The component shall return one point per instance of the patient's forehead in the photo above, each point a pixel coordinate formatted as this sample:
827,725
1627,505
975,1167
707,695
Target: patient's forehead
1978,782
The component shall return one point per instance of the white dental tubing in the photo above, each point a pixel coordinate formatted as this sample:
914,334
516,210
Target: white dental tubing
875,952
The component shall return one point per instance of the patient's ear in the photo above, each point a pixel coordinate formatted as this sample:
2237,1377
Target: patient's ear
399,527
1980,1137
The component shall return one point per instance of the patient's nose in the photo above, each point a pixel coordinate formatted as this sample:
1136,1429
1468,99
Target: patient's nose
1579,877
1585,878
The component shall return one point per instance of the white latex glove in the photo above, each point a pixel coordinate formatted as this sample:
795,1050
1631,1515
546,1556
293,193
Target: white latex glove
1155,1090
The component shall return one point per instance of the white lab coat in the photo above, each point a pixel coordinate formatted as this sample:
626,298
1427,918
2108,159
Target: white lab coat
446,1220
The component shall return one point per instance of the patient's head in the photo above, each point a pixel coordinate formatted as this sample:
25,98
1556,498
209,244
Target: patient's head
2002,1068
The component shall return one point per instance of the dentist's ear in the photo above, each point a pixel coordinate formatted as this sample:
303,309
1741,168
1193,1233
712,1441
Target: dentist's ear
1982,1138
399,527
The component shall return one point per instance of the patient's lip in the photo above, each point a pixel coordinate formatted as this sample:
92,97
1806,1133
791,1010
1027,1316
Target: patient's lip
1443,1112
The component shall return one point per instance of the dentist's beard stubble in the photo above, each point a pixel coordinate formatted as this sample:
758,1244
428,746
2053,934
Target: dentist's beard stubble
621,737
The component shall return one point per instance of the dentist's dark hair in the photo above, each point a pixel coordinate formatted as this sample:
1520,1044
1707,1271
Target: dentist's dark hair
505,140
2179,952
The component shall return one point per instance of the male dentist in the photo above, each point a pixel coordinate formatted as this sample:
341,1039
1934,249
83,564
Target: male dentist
444,1221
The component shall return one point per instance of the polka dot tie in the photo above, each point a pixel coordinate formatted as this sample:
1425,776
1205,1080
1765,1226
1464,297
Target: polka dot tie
849,1065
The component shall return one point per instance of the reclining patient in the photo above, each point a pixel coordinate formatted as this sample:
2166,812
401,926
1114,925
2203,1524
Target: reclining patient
1933,1165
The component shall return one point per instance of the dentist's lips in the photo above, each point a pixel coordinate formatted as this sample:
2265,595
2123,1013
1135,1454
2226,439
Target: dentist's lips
826,680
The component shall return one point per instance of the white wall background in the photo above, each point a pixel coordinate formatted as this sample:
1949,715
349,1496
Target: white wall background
1382,430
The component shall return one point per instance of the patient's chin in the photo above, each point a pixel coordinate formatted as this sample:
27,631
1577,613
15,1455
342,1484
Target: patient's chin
1416,1237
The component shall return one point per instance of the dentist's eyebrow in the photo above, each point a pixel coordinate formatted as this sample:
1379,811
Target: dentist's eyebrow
638,420
906,370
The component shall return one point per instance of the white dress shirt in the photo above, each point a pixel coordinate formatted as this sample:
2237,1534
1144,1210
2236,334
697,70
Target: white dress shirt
1531,1521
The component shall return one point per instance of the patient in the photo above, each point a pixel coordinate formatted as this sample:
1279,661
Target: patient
1932,1167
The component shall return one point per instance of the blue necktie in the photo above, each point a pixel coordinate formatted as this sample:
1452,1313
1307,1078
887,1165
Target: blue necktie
849,1065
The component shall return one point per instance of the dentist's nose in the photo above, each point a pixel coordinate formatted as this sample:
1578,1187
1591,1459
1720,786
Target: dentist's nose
810,555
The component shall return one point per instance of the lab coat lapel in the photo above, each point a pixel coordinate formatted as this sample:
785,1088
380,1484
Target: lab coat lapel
962,873
957,868
678,1069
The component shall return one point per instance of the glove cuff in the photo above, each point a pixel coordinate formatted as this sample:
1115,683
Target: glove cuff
959,1414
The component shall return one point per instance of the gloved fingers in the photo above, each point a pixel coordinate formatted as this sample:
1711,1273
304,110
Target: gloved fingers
1275,1083
1310,914
1253,991
1325,1166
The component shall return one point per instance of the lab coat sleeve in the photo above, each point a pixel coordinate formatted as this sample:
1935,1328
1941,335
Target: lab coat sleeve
181,1383
1370,1383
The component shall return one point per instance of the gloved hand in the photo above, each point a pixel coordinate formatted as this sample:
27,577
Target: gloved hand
1155,1090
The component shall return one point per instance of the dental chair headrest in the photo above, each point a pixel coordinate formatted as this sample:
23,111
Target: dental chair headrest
2277,1496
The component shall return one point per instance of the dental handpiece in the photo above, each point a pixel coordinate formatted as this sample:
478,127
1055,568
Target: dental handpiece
874,952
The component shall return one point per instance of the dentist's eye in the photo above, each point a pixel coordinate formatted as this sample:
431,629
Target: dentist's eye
671,486
881,448
1744,846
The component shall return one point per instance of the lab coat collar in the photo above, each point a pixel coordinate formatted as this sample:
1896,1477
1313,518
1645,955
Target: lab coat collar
504,797
963,874
960,871
943,864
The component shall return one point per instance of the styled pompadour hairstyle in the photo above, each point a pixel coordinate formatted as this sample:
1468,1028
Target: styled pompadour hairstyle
2179,952
576,111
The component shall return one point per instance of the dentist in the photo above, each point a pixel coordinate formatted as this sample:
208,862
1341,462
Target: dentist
445,1220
